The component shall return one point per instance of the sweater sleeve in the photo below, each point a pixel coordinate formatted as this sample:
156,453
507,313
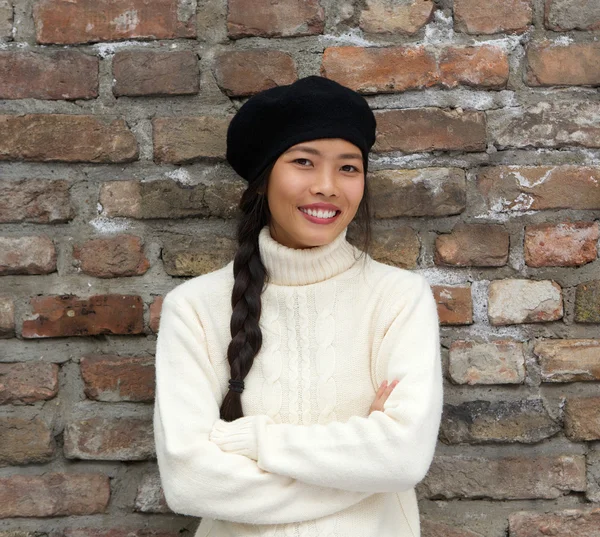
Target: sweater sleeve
198,478
390,450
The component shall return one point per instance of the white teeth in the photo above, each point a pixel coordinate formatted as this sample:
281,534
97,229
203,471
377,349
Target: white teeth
319,213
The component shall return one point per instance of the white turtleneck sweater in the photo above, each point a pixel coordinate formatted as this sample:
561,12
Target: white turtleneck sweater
307,459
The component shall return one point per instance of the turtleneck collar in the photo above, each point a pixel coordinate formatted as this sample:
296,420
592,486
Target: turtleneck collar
292,266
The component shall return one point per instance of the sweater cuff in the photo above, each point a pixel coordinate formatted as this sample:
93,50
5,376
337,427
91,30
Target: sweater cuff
239,436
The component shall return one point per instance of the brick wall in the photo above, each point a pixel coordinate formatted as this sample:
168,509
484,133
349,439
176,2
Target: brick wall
114,189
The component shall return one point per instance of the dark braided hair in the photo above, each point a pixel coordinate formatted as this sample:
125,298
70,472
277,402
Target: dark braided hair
250,276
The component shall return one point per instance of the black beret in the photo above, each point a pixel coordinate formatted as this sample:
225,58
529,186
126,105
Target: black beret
311,108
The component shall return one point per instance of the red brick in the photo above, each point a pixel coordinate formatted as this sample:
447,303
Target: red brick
53,494
118,256
492,16
25,441
7,317
150,496
430,129
179,140
247,72
482,67
566,523
572,15
419,192
384,17
454,304
479,245
582,418
62,74
506,478
516,301
552,64
568,244
397,246
187,256
68,315
568,360
155,309
523,188
380,70
40,201
284,18
27,255
494,362
90,21
109,439
66,138
118,378
28,382
142,73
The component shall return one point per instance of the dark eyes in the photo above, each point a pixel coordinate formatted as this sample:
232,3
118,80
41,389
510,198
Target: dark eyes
354,168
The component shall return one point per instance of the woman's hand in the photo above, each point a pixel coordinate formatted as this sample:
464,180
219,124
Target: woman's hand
382,395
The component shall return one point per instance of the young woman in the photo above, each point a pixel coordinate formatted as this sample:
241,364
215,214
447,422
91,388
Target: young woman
272,412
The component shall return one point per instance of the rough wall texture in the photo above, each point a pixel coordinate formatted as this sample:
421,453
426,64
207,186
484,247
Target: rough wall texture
113,189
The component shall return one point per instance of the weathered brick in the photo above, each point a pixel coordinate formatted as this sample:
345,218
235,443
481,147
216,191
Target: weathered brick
515,301
25,441
155,309
384,17
150,497
582,418
91,21
420,192
481,422
118,256
593,476
380,70
118,378
480,245
6,20
53,494
438,529
66,138
454,304
494,362
35,200
572,15
398,246
430,129
179,140
587,302
507,478
566,523
265,18
222,197
247,72
568,360
7,317
28,382
483,67
552,64
523,188
146,72
109,439
492,16
568,244
69,315
192,257
547,124
62,74
27,255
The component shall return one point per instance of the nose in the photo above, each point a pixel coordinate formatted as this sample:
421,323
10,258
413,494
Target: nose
325,182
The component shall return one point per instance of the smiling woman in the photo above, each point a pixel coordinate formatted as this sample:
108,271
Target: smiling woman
309,440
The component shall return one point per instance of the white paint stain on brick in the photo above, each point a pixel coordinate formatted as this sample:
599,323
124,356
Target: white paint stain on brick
440,30
180,175
562,41
126,21
352,37
108,49
109,225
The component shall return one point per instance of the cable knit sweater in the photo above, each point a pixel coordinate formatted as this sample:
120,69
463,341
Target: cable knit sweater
307,459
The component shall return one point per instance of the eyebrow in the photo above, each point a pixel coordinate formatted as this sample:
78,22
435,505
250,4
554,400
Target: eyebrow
314,151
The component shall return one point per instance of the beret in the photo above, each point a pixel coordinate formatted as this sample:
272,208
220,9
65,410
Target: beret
314,107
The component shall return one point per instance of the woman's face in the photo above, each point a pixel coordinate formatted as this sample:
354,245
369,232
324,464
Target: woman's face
325,171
